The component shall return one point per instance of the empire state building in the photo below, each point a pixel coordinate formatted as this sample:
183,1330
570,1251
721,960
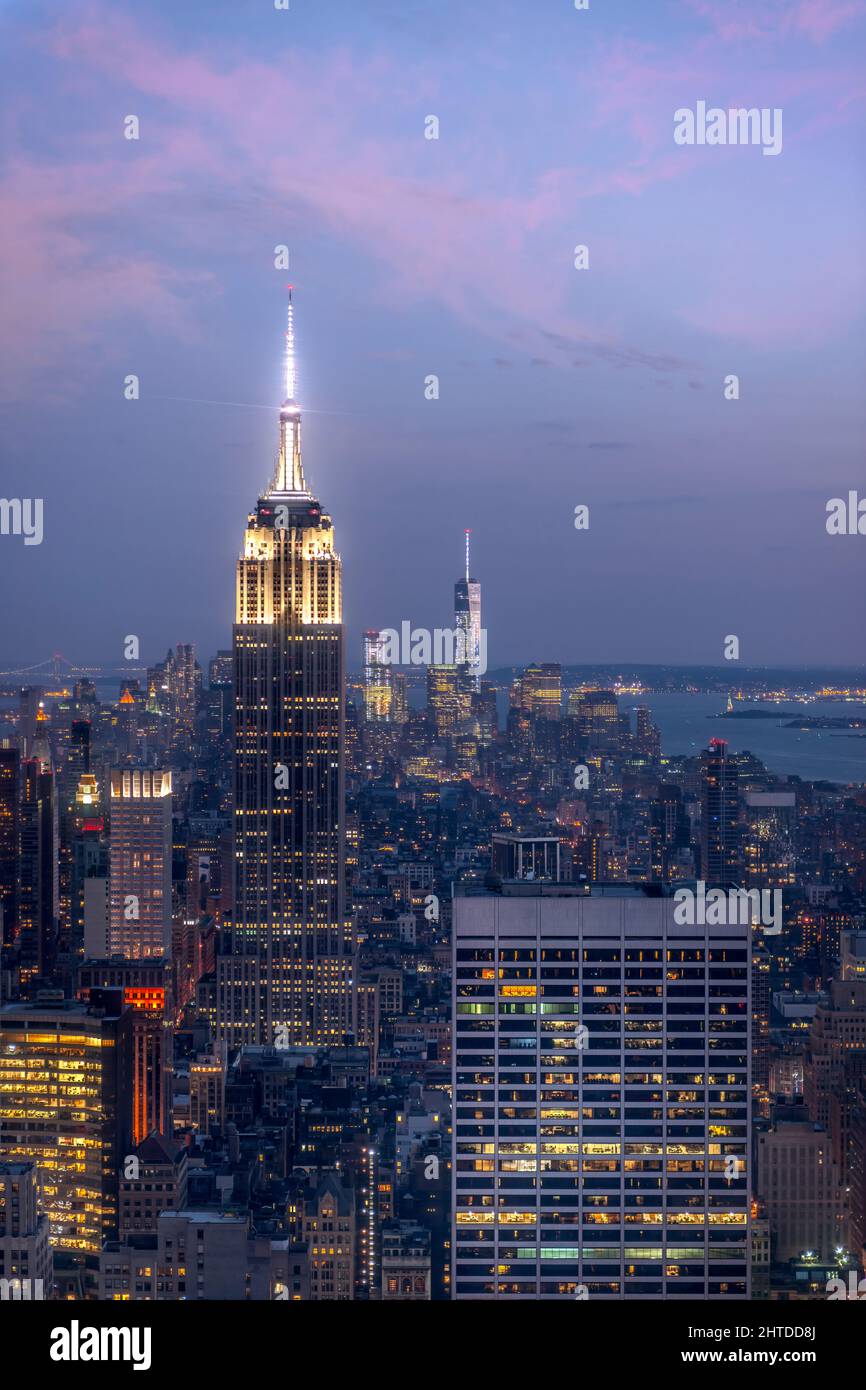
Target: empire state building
288,978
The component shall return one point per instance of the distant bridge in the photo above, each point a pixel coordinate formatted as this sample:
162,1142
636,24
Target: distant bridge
58,668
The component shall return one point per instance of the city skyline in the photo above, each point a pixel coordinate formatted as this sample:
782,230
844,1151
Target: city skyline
433,852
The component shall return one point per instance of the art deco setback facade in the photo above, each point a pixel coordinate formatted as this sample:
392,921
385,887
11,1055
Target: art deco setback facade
288,978
601,1097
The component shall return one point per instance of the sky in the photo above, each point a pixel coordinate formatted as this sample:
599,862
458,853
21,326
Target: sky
451,257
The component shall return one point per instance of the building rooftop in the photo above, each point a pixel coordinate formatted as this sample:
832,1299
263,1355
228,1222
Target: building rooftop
543,888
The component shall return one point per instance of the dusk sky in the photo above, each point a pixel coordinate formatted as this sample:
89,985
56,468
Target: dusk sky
452,257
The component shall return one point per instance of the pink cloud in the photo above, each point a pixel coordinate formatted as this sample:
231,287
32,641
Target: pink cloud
818,20
279,139
57,290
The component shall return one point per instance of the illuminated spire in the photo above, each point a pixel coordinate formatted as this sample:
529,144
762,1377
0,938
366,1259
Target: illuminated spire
290,350
468,534
290,470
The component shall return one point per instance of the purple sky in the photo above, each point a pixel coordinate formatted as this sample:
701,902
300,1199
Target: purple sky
454,257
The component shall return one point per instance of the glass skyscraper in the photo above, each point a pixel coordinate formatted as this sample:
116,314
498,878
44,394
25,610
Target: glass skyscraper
467,620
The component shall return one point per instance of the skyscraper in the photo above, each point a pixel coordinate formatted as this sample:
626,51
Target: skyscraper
38,896
400,699
64,1104
75,743
542,690
10,772
140,864
145,987
378,682
185,693
720,857
447,699
601,1144
467,619
288,978
648,741
597,715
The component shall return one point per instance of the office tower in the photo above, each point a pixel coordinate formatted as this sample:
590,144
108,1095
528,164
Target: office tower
9,844
140,863
126,723
174,691
88,855
148,995
467,621
488,716
25,1254
207,862
597,714
669,833
85,698
354,756
185,685
219,699
368,1020
74,742
289,976
518,724
64,1098
78,752
466,753
648,739
799,1185
378,680
96,910
31,712
207,1093
379,997
541,688
769,857
400,701
159,692
74,765
835,1073
38,891
600,849
447,702
221,669
762,963
601,1088
857,1172
720,858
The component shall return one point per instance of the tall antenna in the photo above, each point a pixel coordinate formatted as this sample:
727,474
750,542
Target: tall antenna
290,472
468,534
290,349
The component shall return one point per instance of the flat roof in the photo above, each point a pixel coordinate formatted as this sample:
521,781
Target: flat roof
543,888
